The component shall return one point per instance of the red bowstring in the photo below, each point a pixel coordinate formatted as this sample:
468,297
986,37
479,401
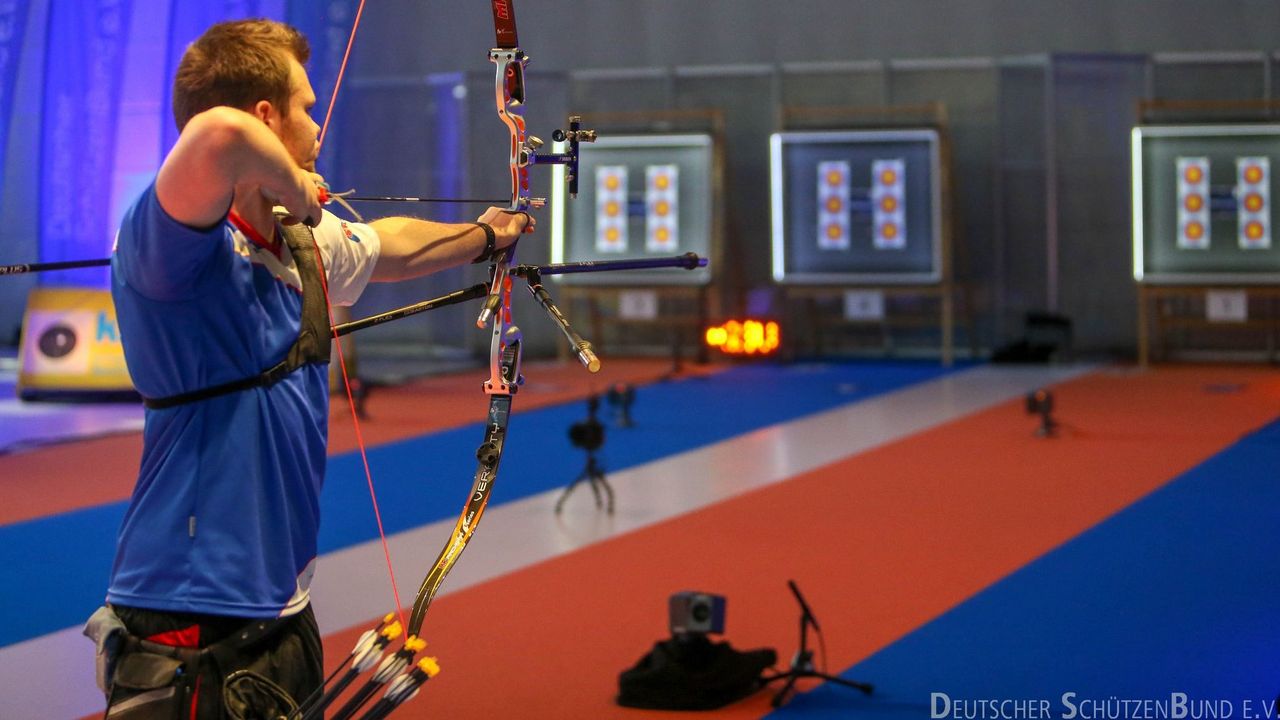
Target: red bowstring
342,69
342,361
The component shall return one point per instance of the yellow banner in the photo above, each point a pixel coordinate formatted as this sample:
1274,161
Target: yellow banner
70,342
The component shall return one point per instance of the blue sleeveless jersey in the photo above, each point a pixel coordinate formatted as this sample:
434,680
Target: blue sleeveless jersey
225,513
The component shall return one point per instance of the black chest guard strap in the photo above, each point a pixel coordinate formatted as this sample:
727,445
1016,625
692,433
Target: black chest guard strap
312,345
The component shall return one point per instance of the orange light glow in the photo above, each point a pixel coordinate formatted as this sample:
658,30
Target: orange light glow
888,177
611,209
662,208
1253,202
1253,230
1194,203
1195,230
1194,174
834,231
835,177
662,182
834,204
889,230
888,203
1253,174
746,337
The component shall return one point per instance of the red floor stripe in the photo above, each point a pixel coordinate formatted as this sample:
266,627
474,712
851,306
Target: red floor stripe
881,543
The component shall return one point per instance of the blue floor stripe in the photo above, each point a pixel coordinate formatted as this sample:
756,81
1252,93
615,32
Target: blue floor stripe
53,570
1179,593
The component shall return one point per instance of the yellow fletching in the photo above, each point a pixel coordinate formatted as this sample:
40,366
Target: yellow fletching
393,631
415,643
429,666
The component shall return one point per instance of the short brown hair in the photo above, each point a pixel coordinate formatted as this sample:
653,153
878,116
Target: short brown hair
237,64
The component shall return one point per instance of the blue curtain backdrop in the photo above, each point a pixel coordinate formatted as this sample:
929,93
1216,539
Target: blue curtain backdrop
84,52
13,25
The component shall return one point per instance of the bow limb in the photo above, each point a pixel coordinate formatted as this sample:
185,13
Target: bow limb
505,339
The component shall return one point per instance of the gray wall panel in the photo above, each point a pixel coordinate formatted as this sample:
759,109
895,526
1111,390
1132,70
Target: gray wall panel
1021,202
1093,109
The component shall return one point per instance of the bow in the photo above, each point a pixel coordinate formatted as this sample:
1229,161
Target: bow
505,338
397,671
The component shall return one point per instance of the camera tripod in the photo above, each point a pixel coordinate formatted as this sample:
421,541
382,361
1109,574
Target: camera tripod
802,662
593,474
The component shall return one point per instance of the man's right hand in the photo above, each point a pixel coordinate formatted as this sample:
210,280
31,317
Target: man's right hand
303,199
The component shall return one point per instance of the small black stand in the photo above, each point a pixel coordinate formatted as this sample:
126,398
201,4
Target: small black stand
359,396
802,662
1040,402
594,475
621,397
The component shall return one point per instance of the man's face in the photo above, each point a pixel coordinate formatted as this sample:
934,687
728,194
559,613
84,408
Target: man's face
297,130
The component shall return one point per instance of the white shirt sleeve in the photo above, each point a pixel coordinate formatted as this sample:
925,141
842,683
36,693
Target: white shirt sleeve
349,251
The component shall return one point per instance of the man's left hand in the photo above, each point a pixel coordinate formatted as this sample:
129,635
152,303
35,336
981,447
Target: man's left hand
506,225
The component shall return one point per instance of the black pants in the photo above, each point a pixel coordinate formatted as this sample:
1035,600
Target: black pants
285,661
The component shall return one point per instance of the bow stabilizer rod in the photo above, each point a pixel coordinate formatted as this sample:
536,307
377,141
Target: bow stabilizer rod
24,268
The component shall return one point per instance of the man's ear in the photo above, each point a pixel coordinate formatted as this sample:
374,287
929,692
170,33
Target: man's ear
264,111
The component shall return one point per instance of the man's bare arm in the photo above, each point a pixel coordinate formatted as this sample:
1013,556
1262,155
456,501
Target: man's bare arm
219,149
412,248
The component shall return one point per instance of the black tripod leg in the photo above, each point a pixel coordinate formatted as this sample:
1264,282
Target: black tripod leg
781,696
565,495
595,491
866,688
608,491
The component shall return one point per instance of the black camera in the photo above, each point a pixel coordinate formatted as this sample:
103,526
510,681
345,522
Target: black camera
588,434
693,612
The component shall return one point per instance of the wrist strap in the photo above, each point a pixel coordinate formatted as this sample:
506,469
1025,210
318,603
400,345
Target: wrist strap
490,243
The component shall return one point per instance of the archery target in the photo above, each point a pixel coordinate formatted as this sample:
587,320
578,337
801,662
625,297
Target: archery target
611,208
662,208
833,205
888,216
1253,202
1193,203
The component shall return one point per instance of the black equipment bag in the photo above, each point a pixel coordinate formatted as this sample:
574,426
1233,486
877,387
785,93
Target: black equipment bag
693,673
